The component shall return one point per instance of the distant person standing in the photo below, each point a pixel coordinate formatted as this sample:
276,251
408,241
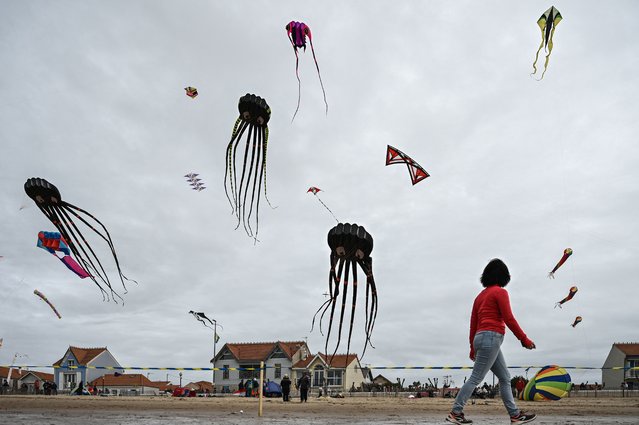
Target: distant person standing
519,386
304,384
285,383
490,315
248,387
36,387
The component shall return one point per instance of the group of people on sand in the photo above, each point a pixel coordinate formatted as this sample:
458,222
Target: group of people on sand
47,388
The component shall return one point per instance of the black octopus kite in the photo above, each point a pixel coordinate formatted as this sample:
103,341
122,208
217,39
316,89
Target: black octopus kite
47,197
351,245
254,116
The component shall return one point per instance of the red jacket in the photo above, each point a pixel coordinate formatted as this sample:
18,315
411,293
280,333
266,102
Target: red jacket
491,312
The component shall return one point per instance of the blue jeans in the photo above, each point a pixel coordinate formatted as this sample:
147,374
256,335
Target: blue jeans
488,356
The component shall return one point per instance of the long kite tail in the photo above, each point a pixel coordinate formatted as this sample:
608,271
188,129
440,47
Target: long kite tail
541,45
107,238
331,277
550,44
319,75
238,131
297,74
264,146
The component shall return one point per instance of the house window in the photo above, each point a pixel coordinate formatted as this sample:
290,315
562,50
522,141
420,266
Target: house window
249,374
70,363
225,372
334,377
318,376
278,370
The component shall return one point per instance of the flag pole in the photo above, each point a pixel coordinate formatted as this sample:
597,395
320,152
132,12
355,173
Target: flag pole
259,409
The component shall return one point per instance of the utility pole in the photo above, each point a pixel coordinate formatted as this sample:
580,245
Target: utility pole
215,338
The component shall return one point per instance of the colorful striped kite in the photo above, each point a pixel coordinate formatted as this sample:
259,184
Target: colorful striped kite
52,242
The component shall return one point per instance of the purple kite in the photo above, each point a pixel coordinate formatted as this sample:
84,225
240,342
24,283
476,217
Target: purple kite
297,33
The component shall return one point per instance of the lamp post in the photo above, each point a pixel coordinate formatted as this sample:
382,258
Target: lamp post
215,338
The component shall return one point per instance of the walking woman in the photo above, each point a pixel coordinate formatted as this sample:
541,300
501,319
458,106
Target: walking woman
491,314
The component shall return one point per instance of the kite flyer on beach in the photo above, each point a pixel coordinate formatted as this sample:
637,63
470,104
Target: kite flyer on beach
489,318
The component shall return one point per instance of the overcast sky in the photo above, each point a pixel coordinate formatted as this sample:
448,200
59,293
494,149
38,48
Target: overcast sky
92,99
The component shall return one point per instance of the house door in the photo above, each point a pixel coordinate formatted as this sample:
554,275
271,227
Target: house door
69,380
318,376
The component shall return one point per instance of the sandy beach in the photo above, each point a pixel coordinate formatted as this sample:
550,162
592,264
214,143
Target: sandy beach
21,410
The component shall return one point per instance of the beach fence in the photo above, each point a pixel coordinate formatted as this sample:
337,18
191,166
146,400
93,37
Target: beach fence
576,392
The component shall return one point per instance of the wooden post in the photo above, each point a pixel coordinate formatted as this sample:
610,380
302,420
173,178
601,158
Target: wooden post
259,409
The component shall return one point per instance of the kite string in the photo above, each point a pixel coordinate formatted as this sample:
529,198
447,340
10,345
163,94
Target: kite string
329,210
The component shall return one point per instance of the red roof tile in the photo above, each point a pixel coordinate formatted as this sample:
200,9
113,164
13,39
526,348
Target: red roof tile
628,348
124,380
82,355
43,376
259,351
15,373
338,361
200,386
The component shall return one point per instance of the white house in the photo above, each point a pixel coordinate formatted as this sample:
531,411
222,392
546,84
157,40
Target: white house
278,357
76,365
338,373
126,384
625,354
30,377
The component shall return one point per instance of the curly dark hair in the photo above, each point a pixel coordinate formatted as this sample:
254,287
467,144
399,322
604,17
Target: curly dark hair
495,273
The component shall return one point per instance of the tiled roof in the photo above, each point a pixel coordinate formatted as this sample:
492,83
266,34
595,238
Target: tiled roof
15,373
82,355
338,360
43,376
628,348
291,347
125,380
259,351
200,386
